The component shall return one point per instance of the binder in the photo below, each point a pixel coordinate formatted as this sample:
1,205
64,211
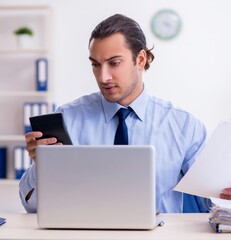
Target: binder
3,162
22,161
220,228
41,74
32,109
18,162
27,115
53,107
26,160
43,108
35,109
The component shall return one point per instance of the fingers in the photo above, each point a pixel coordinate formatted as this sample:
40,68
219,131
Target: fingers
32,143
58,143
226,194
31,136
227,191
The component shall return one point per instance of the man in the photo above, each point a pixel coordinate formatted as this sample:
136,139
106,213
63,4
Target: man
119,56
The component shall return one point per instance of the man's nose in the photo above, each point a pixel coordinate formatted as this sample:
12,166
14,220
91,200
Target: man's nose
105,74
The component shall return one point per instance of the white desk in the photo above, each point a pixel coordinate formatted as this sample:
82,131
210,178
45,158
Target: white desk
177,226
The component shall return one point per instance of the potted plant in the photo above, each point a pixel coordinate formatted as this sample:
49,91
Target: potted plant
24,35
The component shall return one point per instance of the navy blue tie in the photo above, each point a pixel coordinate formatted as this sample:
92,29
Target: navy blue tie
121,136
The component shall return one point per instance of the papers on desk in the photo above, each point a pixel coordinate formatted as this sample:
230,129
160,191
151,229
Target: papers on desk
210,174
2,221
220,218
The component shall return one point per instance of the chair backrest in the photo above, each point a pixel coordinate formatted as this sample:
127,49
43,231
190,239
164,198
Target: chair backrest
193,204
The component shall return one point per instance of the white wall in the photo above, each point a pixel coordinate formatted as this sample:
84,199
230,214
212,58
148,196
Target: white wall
193,70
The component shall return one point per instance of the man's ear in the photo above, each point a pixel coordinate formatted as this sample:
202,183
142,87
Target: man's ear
141,59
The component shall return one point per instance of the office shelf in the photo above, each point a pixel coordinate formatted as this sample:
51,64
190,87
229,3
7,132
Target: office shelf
11,138
18,71
24,51
24,94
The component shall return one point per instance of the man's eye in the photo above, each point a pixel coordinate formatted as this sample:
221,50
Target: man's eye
114,64
93,64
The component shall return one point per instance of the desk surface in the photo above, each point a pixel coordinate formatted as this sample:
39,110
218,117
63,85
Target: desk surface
177,226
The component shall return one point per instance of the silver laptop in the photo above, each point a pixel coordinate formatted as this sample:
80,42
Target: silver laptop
96,187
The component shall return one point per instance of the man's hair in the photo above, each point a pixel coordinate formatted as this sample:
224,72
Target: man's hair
130,29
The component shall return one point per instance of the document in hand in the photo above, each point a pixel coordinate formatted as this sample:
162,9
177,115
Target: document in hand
210,174
220,218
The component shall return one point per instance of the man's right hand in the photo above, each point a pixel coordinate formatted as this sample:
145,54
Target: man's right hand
32,143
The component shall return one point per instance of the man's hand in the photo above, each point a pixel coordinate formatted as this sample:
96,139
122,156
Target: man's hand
226,194
32,143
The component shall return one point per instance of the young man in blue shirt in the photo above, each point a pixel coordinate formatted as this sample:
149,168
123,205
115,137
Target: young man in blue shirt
119,56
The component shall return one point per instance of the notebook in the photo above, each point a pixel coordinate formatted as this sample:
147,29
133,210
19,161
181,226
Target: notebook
96,187
2,221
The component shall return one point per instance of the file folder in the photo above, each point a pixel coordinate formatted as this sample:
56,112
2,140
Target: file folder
32,109
22,161
27,115
26,160
220,228
18,162
3,161
41,74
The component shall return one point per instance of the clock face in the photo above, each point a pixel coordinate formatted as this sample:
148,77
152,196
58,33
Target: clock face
166,24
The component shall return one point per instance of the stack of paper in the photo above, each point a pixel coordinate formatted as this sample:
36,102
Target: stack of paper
221,215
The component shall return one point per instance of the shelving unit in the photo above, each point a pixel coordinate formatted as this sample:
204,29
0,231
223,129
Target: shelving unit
25,51
18,71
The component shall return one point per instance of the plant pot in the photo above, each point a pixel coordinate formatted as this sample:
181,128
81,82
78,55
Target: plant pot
24,41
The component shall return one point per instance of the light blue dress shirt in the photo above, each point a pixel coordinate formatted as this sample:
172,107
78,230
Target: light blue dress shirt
177,136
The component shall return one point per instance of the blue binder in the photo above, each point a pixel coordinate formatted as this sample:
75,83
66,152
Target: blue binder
22,161
41,74
27,112
33,109
2,221
3,162
18,162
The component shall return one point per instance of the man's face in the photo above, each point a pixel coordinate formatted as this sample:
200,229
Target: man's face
118,77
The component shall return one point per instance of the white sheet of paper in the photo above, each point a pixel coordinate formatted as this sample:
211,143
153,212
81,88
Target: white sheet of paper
212,170
222,203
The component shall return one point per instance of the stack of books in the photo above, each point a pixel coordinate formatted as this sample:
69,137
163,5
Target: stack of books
220,218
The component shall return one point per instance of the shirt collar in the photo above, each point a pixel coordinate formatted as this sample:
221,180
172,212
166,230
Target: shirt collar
138,105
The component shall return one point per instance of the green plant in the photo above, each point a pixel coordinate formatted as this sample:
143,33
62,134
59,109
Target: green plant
23,30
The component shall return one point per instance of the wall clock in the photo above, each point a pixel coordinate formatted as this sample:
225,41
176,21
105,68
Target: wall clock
166,24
